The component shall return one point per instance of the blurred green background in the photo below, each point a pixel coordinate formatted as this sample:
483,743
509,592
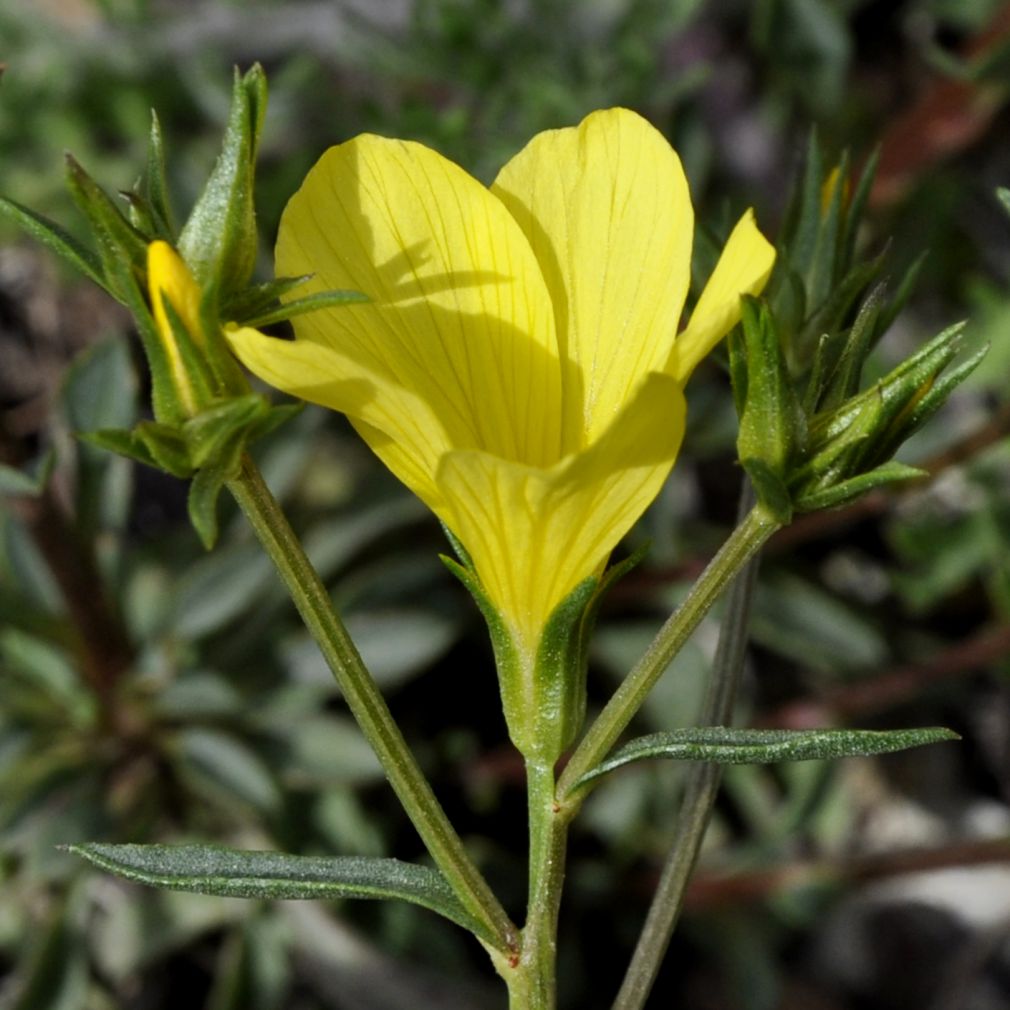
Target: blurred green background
149,691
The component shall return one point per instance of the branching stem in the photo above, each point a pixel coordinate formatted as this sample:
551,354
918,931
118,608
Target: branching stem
368,706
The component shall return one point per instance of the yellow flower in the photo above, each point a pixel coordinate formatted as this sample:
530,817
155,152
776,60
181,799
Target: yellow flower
518,364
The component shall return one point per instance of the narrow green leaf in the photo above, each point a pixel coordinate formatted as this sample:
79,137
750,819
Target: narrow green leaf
204,490
931,401
208,869
155,184
140,214
906,286
822,268
310,303
1003,195
117,239
805,210
846,491
857,205
219,241
724,745
831,316
122,443
55,239
859,341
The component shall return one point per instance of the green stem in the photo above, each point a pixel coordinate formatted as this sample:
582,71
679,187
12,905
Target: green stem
701,787
368,706
748,537
532,984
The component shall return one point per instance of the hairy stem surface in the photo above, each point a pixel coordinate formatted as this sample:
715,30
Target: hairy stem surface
369,707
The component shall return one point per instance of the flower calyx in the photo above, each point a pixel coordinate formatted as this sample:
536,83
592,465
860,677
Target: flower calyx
543,685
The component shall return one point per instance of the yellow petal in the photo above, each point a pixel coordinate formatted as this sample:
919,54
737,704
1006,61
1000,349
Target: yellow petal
168,278
459,320
607,210
743,269
323,375
534,534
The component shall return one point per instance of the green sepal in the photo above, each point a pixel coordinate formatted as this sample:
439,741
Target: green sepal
219,241
771,492
310,303
771,425
227,375
208,433
167,446
215,870
56,240
737,361
1003,195
543,696
584,632
457,547
725,745
203,440
118,241
610,577
846,491
122,443
205,488
559,677
17,482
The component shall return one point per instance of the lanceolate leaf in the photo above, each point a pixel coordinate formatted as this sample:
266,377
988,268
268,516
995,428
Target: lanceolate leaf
55,239
722,745
234,873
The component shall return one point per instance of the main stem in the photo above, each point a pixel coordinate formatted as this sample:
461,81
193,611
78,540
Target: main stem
531,977
369,708
532,983
700,791
742,544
